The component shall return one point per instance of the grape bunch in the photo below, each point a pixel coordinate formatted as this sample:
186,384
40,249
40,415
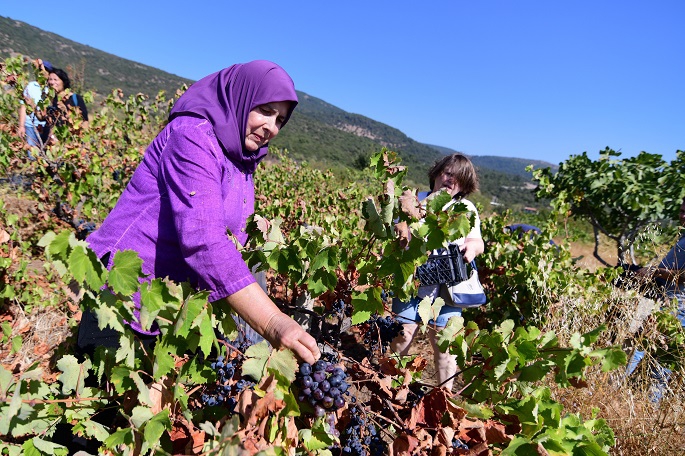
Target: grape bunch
225,390
381,331
221,394
323,385
360,437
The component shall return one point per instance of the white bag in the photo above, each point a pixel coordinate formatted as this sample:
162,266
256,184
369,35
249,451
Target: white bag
469,293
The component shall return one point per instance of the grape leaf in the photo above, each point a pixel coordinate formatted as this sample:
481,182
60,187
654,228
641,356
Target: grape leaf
124,275
73,374
283,364
257,356
155,427
86,267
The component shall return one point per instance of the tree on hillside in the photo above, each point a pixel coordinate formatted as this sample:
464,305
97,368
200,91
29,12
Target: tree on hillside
619,197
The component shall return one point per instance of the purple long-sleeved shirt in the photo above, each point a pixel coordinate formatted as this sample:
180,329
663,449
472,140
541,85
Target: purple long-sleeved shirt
177,209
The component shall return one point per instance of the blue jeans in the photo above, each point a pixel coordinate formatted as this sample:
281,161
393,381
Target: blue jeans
32,139
659,374
408,312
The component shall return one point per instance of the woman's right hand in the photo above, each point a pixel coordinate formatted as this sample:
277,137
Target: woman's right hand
260,312
283,332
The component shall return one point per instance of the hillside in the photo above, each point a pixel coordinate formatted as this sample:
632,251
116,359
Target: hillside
319,132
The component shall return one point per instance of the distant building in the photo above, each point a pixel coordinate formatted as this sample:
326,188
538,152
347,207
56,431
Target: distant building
530,210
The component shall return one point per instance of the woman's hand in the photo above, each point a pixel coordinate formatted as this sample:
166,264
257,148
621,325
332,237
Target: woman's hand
284,332
255,307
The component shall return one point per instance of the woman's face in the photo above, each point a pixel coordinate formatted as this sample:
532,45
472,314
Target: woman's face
264,123
55,83
446,181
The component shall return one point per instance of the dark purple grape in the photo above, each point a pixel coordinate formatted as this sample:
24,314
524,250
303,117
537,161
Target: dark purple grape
317,394
334,392
305,369
327,402
324,386
319,411
334,380
306,381
338,402
319,376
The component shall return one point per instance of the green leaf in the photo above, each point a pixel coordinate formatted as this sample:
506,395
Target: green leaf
73,374
60,246
10,412
612,358
155,428
48,448
143,390
316,438
124,436
121,379
429,310
152,301
140,416
124,275
126,351
366,304
163,363
86,268
373,219
257,356
283,364
107,316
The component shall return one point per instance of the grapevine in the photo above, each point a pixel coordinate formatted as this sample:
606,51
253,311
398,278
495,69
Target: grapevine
350,249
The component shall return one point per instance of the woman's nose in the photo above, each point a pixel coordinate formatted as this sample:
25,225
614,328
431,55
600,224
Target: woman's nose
272,127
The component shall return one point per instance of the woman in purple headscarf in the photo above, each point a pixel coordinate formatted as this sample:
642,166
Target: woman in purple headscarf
193,187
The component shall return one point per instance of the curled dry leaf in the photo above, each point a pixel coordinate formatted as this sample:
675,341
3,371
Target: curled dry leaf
403,234
404,445
410,205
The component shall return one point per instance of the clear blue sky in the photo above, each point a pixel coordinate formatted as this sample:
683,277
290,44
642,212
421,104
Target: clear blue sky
538,79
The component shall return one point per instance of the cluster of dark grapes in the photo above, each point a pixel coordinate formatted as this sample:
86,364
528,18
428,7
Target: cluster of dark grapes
323,385
83,228
458,444
360,437
381,331
225,370
224,392
339,307
385,295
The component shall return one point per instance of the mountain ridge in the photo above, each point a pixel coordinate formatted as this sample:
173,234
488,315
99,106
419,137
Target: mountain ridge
318,131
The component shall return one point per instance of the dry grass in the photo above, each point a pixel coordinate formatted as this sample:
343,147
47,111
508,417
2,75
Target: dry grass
641,427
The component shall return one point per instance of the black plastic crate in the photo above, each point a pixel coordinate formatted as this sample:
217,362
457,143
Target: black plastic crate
448,268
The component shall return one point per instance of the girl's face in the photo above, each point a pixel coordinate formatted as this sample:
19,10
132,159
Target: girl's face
446,180
264,123
55,83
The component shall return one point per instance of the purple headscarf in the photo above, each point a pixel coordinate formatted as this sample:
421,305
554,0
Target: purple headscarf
226,98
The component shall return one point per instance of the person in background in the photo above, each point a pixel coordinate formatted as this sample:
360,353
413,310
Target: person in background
456,175
669,275
63,101
523,228
195,185
29,125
